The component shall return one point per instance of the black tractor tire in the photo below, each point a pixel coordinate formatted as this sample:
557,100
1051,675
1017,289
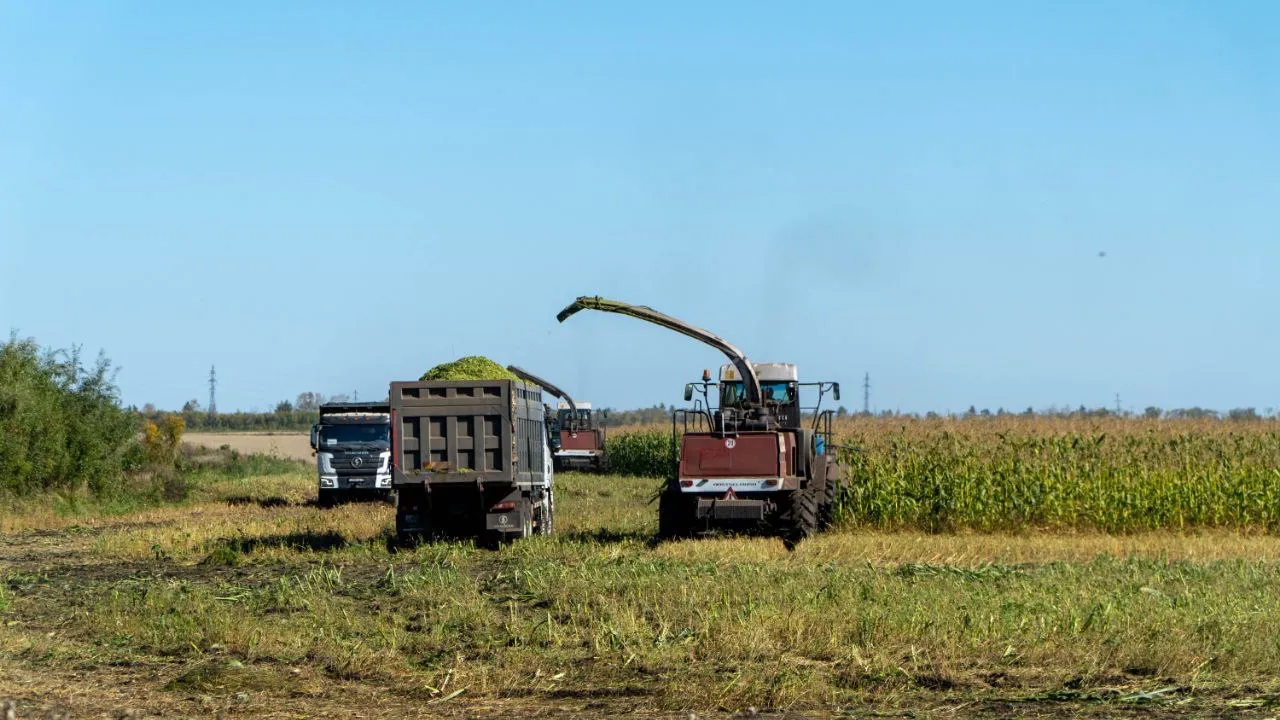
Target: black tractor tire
804,518
827,508
675,515
835,486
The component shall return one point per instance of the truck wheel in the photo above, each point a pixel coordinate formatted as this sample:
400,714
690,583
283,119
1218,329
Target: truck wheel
526,529
546,515
675,516
330,498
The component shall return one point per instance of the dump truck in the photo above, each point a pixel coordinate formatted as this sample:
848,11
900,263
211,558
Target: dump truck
754,459
352,442
575,434
470,459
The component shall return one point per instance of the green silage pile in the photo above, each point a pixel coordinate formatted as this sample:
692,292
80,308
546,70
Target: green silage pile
472,367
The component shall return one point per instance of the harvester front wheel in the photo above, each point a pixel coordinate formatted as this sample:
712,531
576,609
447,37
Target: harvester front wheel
831,495
804,515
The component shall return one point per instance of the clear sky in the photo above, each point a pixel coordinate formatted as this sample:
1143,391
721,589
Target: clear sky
329,195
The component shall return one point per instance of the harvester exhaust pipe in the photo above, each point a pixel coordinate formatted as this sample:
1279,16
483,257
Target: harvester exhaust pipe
648,314
530,377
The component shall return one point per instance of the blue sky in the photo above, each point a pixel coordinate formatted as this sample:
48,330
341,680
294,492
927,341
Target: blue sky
329,195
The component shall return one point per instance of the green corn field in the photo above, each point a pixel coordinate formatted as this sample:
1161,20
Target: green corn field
1115,475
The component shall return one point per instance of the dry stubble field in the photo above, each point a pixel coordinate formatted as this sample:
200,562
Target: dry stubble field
248,600
295,446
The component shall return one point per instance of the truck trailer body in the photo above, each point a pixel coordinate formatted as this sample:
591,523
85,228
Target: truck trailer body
470,459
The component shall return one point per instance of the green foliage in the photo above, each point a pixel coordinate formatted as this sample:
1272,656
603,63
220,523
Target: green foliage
1120,477
647,453
472,367
161,440
61,425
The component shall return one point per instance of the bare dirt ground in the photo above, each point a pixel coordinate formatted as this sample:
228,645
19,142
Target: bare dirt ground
288,445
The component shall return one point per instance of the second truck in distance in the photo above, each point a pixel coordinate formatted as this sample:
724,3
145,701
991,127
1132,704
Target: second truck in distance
353,451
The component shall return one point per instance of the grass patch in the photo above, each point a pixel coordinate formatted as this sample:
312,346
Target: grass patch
247,590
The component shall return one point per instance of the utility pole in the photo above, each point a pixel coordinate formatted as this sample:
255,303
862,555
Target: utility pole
355,396
213,392
1119,411
866,394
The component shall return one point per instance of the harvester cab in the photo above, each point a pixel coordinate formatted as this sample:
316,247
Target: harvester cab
751,461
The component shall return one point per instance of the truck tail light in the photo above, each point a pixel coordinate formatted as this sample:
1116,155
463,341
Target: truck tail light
771,482
503,507
686,483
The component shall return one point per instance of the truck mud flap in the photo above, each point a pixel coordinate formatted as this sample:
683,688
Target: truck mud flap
505,522
410,523
714,509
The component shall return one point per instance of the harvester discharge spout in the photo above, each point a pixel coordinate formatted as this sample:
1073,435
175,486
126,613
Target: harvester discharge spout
552,389
641,312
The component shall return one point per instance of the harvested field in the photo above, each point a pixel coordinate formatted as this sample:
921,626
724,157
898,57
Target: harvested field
295,446
250,601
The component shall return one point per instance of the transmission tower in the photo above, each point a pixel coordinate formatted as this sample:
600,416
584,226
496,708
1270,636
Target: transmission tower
866,394
355,396
213,392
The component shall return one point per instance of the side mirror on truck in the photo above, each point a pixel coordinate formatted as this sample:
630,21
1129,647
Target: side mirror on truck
835,390
315,436
688,392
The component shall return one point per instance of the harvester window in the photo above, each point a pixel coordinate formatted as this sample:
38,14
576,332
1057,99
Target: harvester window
567,415
779,392
732,393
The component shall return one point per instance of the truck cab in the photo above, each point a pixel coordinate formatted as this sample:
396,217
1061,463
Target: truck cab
352,442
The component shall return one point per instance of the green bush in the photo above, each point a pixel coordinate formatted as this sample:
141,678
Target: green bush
643,452
61,424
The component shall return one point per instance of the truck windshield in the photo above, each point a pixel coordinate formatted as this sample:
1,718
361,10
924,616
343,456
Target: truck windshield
355,434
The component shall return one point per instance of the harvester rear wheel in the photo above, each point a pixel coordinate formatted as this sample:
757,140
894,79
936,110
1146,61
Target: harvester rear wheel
675,516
